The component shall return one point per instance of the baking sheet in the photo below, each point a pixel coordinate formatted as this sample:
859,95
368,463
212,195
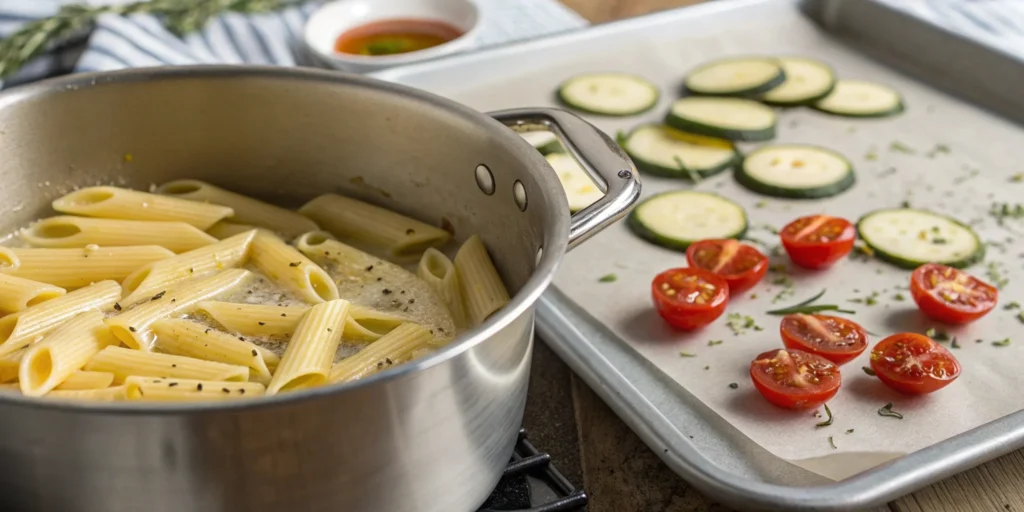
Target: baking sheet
963,181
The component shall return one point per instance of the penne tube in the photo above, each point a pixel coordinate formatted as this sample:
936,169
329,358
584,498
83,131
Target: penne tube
247,210
225,229
254,319
66,231
290,269
9,367
311,350
82,379
17,293
132,325
151,279
192,339
362,323
125,362
12,387
394,348
19,330
482,288
113,394
189,390
62,352
438,271
122,203
75,268
399,236
8,261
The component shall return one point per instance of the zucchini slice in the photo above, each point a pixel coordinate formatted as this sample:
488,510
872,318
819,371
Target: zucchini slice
663,151
580,189
807,81
737,76
545,142
609,94
909,238
858,98
795,171
675,220
724,118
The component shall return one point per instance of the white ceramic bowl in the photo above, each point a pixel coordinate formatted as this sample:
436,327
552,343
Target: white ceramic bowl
336,18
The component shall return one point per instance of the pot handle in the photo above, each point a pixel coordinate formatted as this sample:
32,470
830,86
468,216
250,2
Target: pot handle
599,155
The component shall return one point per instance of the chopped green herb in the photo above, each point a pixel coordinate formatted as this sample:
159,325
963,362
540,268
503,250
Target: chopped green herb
936,335
899,297
780,268
954,343
826,422
753,296
621,137
939,149
712,343
1002,343
686,354
900,147
995,275
694,177
1020,317
1003,211
608,278
769,228
871,155
904,204
783,294
1012,305
1017,178
782,281
849,431
761,204
734,385
832,443
707,367
739,324
861,252
970,174
868,370
886,410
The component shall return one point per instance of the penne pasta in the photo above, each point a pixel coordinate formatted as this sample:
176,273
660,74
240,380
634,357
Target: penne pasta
192,339
75,268
17,293
132,325
438,271
113,394
225,229
396,234
122,203
290,269
189,390
9,367
482,288
247,210
62,352
82,379
151,279
8,261
125,362
254,319
362,323
394,348
19,330
66,231
307,360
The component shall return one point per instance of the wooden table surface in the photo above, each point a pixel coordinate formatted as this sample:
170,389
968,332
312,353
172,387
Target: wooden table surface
593,447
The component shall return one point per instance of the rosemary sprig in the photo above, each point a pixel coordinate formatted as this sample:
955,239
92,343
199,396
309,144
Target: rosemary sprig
179,16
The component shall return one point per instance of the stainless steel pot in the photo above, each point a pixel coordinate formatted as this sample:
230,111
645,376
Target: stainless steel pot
429,436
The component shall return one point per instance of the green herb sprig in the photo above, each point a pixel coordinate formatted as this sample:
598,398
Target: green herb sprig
807,307
179,16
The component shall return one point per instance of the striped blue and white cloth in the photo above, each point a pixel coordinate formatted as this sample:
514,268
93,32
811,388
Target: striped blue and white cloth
275,38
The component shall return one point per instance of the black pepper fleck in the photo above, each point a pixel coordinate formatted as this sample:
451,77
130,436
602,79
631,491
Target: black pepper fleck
410,231
207,331
734,385
117,306
172,384
380,278
130,328
262,323
388,360
174,365
369,268
295,264
241,338
241,391
412,301
386,291
254,353
226,390
159,295
282,314
199,387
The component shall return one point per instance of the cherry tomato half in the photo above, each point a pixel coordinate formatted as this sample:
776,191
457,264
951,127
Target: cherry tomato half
818,241
795,379
689,298
741,265
950,295
913,363
837,339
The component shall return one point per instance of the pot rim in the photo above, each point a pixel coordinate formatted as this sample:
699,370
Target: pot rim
555,242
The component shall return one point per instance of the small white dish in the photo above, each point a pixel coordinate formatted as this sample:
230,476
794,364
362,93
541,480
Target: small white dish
335,18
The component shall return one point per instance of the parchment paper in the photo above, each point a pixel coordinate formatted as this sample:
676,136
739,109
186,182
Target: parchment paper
896,159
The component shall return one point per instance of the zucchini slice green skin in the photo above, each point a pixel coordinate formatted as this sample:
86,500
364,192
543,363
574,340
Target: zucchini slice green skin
884,253
605,106
643,228
767,83
797,67
833,103
647,165
687,124
745,178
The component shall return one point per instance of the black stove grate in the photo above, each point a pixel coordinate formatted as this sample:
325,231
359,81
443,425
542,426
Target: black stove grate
532,484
